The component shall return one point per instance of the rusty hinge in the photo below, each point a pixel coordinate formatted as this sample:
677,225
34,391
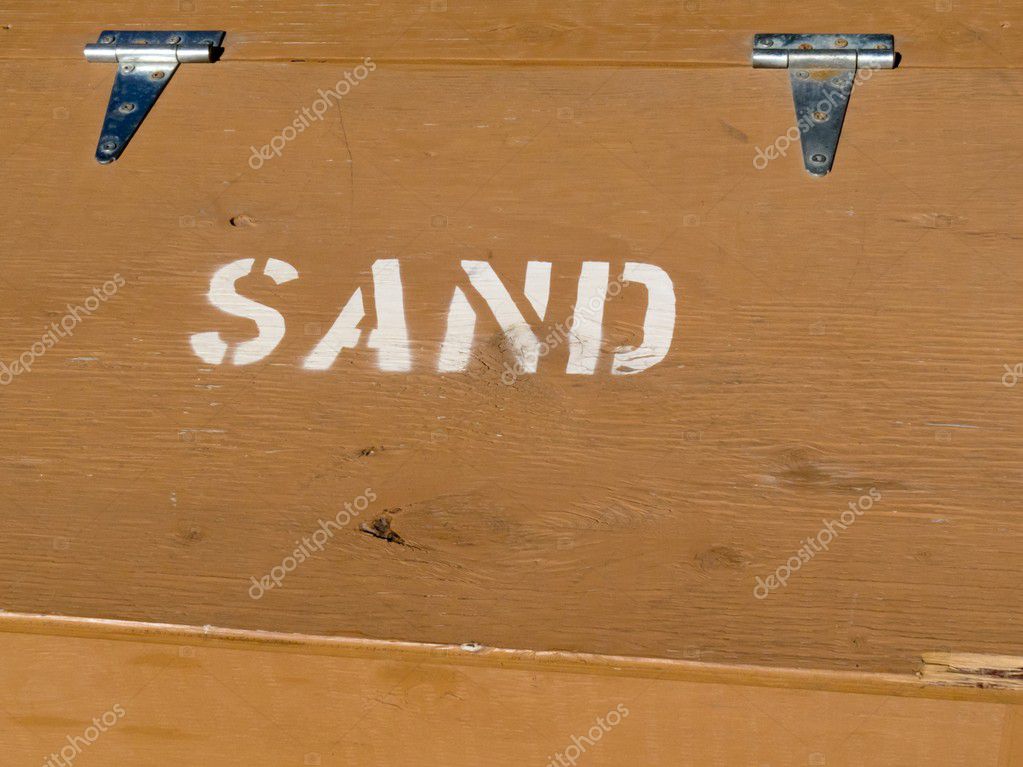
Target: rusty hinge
822,70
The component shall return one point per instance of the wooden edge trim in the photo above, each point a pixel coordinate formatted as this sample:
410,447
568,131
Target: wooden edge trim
246,57
242,57
950,684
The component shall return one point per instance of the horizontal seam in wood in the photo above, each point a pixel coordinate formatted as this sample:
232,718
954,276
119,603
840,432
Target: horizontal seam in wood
871,683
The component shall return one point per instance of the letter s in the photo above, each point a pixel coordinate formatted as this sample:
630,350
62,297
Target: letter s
210,347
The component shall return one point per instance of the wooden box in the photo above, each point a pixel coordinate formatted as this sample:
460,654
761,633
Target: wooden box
454,383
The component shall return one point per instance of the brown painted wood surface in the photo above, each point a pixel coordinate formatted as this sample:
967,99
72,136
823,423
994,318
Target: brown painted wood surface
931,33
832,336
192,699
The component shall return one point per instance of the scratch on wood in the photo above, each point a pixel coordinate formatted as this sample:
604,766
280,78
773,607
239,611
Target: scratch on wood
973,670
351,166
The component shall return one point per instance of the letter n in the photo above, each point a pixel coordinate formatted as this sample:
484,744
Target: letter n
457,346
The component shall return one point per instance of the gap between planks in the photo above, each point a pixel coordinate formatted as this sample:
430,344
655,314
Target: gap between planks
228,58
949,685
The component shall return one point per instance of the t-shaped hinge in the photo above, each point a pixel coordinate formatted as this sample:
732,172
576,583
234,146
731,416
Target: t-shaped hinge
822,70
146,61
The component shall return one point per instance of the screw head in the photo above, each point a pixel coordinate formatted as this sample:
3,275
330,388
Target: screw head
820,116
126,108
818,157
107,39
173,39
158,75
108,146
841,42
128,68
802,75
767,43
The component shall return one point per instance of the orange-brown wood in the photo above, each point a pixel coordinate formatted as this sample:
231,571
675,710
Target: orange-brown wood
173,697
832,336
931,33
834,339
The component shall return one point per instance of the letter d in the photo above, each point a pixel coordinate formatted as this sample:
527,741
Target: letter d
760,156
760,585
256,585
256,156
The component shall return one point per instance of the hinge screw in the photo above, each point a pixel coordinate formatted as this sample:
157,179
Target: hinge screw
157,75
128,68
107,39
174,39
126,108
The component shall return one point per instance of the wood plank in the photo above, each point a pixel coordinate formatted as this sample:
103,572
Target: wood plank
833,337
172,697
929,33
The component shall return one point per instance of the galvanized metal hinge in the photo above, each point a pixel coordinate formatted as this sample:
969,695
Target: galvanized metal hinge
822,70
146,61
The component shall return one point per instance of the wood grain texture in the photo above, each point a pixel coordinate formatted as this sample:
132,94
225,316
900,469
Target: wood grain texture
178,699
833,336
929,33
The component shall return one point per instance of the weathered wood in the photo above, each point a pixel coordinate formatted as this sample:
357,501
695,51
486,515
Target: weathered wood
930,33
173,698
832,336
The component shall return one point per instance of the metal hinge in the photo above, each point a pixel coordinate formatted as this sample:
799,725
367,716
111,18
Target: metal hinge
822,70
146,61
